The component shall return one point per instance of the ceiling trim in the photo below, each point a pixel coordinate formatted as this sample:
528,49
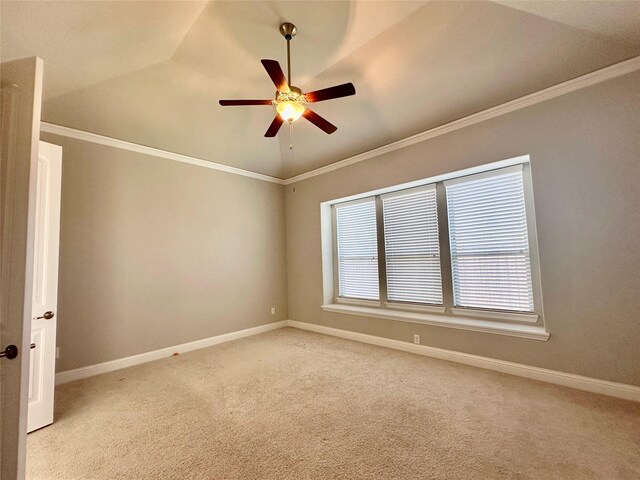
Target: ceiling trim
156,152
593,78
598,76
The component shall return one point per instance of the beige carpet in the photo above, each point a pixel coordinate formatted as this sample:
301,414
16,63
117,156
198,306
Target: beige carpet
290,404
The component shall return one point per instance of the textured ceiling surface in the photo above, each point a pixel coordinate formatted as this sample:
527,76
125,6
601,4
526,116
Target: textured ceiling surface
152,72
619,21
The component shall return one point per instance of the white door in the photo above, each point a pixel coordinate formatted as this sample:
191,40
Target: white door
21,95
45,287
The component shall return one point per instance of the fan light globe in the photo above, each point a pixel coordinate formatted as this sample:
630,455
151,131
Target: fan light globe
290,110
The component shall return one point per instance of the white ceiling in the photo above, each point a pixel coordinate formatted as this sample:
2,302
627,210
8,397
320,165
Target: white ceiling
152,72
84,43
619,21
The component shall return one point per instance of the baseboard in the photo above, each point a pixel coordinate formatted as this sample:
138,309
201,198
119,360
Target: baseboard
604,387
90,371
594,385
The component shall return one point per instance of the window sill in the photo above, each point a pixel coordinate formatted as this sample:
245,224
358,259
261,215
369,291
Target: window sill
357,302
534,332
507,316
415,308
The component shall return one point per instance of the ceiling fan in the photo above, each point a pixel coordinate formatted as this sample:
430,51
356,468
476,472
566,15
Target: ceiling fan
290,102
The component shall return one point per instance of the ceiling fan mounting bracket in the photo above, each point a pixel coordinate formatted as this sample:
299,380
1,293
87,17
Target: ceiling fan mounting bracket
288,30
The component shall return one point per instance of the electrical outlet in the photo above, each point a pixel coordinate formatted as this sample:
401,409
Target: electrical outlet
57,352
273,310
416,339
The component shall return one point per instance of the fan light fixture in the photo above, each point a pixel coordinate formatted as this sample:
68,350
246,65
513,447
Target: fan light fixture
290,110
290,105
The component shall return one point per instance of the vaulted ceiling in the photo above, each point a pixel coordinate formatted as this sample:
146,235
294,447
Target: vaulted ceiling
152,72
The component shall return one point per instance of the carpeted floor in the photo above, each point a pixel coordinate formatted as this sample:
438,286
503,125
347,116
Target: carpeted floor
290,404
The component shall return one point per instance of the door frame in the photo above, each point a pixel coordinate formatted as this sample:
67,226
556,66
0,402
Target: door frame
22,90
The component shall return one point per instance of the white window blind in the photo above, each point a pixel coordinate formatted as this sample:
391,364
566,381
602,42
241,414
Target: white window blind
412,246
489,243
357,250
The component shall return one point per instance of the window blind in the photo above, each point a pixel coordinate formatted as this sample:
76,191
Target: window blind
412,246
489,243
357,250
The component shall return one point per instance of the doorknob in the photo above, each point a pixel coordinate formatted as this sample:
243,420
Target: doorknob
46,316
10,352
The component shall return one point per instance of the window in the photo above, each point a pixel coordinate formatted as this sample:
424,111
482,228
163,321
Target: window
388,248
357,250
489,241
412,247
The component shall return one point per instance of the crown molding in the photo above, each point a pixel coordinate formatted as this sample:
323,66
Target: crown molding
598,76
593,78
156,152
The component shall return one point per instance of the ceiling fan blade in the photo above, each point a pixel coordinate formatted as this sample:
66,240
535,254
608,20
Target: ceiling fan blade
274,127
277,76
319,122
338,91
227,103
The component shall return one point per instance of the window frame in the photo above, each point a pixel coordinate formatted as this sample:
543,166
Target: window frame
479,319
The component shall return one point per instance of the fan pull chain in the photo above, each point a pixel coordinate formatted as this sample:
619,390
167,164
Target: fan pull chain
291,137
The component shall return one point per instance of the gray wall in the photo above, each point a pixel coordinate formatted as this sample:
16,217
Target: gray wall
154,253
585,157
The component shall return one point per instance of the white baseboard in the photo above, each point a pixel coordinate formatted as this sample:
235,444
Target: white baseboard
604,387
90,371
613,389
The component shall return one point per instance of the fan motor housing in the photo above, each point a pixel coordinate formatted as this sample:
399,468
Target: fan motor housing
294,94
